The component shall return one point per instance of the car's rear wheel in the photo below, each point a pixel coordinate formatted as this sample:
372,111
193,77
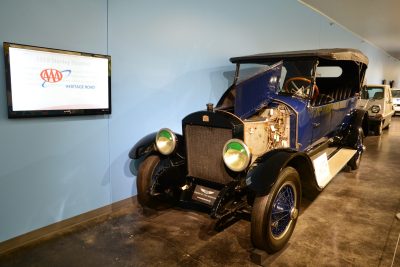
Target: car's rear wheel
379,128
274,216
388,126
355,161
144,181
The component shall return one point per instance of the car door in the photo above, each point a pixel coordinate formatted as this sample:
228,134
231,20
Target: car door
321,115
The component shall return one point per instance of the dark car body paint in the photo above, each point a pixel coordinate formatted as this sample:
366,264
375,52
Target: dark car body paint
146,146
143,146
314,122
265,170
216,118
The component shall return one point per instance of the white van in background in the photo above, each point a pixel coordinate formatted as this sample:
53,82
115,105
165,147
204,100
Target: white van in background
377,100
396,100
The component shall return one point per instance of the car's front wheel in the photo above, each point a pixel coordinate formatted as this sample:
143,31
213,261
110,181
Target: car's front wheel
144,181
274,216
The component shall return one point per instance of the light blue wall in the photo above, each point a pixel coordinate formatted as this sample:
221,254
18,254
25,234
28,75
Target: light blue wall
169,58
51,168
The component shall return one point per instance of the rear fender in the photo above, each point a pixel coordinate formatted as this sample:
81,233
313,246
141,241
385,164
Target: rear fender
359,121
265,171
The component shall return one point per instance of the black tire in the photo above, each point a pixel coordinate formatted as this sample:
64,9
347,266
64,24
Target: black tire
144,182
354,162
266,234
388,126
379,128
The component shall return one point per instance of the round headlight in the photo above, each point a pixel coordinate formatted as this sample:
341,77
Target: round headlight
236,155
165,141
375,109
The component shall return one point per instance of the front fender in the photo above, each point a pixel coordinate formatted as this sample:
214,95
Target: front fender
144,146
265,170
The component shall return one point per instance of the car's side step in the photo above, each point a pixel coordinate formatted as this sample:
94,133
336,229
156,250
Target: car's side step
329,162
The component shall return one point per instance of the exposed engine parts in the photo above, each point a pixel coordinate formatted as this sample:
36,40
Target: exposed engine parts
269,129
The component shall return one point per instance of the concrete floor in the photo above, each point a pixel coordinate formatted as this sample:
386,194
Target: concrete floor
351,223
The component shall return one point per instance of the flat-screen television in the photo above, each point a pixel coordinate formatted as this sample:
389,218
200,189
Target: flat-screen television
52,82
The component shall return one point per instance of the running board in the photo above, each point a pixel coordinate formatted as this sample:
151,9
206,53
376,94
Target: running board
329,162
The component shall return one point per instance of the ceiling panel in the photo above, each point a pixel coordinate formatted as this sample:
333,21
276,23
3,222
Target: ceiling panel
377,21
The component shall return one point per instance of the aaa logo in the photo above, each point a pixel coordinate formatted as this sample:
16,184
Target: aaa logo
52,75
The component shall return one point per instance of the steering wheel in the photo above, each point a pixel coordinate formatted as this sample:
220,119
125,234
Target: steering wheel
315,92
299,86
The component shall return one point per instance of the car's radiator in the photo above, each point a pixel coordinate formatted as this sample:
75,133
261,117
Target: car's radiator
204,153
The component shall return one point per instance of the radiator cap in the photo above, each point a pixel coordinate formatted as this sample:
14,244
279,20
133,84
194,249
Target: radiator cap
210,107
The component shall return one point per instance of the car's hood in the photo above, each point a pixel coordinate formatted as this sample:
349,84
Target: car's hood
396,100
257,91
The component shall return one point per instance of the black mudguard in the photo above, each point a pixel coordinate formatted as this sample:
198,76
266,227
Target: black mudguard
146,147
169,173
265,171
359,121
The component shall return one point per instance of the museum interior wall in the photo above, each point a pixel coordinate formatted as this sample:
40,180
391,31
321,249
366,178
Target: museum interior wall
169,58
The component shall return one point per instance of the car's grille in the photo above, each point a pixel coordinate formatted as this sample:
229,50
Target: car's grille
204,152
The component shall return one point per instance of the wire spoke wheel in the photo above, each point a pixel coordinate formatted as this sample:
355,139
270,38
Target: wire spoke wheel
274,216
283,210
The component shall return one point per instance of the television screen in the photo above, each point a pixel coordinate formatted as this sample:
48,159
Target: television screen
51,82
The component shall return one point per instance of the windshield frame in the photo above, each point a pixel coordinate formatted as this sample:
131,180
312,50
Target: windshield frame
227,99
312,62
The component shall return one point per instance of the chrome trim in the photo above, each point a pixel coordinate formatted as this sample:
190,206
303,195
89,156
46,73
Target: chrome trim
174,140
245,148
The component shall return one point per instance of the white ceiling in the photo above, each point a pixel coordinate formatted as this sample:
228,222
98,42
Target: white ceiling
377,21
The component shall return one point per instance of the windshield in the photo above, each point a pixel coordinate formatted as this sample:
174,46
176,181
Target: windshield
396,93
372,92
288,77
253,93
296,77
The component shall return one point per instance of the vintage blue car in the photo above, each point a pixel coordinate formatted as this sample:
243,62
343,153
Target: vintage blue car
285,127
